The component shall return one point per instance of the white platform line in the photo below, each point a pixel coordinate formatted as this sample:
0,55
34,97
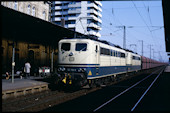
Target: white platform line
123,92
145,92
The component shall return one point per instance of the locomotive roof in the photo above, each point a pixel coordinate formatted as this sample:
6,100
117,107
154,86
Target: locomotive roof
102,41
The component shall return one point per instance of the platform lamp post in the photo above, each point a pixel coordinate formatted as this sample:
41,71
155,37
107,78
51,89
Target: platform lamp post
52,56
13,62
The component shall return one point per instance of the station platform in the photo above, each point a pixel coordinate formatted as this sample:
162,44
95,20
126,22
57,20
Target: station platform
167,69
22,86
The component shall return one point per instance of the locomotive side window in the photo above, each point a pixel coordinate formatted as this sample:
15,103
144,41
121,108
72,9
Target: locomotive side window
123,55
136,58
105,51
65,46
118,54
81,47
102,51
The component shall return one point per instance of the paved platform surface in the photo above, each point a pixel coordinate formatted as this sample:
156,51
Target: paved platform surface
22,86
20,83
167,69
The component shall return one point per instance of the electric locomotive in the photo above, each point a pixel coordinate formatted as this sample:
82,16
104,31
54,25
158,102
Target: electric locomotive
88,61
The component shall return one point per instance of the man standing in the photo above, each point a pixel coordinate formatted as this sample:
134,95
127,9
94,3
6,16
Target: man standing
27,69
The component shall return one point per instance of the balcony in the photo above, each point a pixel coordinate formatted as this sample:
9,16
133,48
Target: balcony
92,11
94,26
72,18
98,2
61,13
74,5
99,9
60,2
59,18
74,11
71,25
61,7
94,33
95,6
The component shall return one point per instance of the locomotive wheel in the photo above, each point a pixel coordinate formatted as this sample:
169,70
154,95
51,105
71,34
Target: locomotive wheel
92,83
98,82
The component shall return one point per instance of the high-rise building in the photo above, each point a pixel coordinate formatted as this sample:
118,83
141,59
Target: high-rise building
79,16
37,9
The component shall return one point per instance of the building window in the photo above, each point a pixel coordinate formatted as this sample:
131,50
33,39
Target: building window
88,8
74,8
15,5
33,11
28,9
71,22
88,14
89,29
58,23
44,15
88,21
9,4
72,2
89,2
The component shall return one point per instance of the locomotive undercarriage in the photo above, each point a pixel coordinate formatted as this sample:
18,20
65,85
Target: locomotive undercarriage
72,78
80,79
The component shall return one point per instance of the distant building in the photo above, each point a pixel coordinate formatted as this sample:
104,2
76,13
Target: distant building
80,16
37,9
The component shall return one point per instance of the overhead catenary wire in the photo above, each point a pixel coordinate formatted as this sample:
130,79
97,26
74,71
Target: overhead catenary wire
116,22
148,11
143,19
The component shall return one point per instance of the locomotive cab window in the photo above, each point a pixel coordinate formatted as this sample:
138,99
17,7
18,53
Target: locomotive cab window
65,46
81,47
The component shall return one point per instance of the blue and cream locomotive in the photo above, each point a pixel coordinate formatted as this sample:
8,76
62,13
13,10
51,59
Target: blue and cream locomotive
87,61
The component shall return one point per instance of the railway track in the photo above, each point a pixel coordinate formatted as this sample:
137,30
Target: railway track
49,98
41,100
140,87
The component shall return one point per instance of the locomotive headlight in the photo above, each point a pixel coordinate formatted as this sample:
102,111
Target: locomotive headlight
61,69
84,69
81,70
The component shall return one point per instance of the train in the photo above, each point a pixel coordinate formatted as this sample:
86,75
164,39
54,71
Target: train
87,61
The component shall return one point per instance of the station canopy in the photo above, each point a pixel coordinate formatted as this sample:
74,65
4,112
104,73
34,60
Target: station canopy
18,26
166,16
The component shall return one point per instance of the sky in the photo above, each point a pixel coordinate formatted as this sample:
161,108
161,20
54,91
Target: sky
143,21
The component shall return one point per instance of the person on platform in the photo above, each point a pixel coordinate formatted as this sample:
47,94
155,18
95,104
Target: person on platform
27,69
7,75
